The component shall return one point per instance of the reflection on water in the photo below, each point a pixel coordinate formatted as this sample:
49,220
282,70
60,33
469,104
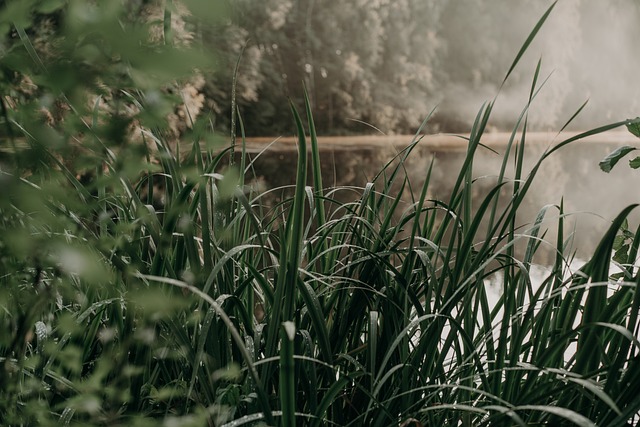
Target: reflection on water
591,197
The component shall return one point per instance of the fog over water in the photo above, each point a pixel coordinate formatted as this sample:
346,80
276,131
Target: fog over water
589,50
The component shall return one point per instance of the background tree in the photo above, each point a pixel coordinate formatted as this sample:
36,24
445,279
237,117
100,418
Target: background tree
389,63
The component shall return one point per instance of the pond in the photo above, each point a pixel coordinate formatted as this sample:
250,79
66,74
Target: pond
591,197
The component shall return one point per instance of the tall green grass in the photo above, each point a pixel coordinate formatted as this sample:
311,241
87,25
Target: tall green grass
221,310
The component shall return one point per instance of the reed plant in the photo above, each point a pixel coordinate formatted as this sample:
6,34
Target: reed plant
217,308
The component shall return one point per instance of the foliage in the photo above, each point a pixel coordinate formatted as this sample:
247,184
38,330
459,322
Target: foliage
633,126
208,306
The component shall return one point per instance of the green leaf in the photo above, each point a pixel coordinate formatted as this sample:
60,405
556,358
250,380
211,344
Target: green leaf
621,254
17,13
618,242
50,6
635,163
228,184
527,42
610,161
634,126
617,276
287,374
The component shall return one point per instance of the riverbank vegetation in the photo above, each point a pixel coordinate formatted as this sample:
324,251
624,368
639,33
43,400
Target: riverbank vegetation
142,283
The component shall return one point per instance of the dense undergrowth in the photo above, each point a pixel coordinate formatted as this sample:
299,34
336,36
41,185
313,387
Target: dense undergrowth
211,307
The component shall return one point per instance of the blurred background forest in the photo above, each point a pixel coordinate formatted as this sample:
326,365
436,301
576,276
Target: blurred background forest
385,64
388,63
